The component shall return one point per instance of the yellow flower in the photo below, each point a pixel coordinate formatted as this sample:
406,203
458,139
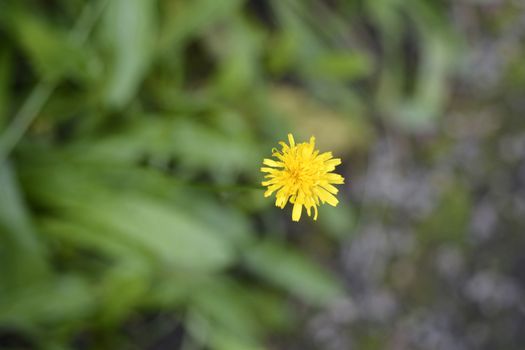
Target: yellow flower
302,175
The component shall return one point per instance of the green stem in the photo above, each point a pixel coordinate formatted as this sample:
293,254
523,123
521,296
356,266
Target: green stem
220,188
25,117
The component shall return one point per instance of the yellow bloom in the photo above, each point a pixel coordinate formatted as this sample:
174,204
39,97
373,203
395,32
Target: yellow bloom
302,175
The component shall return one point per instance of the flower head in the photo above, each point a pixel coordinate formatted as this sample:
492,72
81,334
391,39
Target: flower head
301,175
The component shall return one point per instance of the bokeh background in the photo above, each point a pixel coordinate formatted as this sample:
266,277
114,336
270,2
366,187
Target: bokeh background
131,137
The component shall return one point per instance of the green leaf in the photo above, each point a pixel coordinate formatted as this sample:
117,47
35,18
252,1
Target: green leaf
5,80
292,271
215,336
225,155
122,288
129,34
185,19
342,65
221,302
51,50
170,236
22,255
59,301
72,234
238,52
81,195
221,340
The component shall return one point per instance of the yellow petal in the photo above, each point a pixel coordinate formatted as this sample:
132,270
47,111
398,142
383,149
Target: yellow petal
297,209
334,178
291,140
280,201
273,163
269,182
325,156
327,197
278,155
333,162
328,187
272,189
306,152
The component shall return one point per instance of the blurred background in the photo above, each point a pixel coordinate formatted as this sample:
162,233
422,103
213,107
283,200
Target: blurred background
131,137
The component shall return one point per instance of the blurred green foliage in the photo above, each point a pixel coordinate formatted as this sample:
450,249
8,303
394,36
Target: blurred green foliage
131,133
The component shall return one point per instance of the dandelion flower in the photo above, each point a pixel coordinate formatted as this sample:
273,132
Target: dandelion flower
302,176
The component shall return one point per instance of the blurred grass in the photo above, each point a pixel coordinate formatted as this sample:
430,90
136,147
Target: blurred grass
110,110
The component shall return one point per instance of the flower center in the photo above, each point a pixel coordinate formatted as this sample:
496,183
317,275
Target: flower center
295,174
